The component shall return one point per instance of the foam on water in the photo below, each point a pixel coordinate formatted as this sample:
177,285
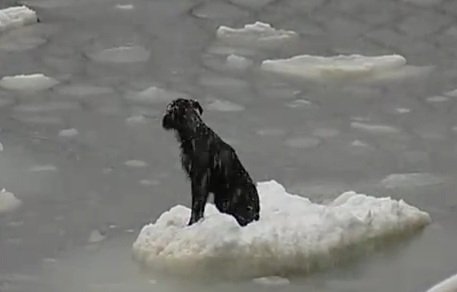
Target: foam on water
8,202
256,34
293,235
340,67
13,17
31,82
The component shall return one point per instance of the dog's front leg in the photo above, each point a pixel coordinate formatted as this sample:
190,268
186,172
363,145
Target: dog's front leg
199,198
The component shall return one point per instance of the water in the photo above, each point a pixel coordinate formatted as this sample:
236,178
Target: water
107,73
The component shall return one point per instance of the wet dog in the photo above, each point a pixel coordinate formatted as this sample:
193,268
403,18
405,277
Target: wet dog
211,165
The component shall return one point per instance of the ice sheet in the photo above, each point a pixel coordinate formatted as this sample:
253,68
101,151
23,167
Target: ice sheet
293,235
31,82
17,16
342,67
255,34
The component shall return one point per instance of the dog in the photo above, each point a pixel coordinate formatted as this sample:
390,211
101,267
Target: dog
211,164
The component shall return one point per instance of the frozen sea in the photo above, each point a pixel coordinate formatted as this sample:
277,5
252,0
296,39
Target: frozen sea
322,96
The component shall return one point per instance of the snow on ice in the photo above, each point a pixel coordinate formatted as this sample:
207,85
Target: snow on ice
293,235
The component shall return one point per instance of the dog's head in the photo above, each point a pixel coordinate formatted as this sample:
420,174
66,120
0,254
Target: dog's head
181,113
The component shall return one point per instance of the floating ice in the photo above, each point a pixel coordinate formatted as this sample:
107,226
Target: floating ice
17,16
148,182
238,62
96,236
437,98
303,142
31,82
402,110
272,281
8,202
256,34
125,54
153,95
135,163
67,133
448,285
292,235
452,93
138,119
125,6
218,10
271,132
224,106
374,129
336,67
251,3
299,103
398,180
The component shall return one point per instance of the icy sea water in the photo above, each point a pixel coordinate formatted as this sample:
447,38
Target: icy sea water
114,65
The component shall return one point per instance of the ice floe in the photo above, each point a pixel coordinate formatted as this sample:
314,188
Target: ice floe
341,67
258,34
30,82
292,235
16,16
8,202
399,180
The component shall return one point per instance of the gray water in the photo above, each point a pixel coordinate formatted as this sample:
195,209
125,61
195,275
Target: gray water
313,148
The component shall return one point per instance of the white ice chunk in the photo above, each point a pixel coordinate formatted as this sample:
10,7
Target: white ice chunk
448,285
95,236
375,128
292,235
125,6
402,110
437,98
8,202
68,133
452,93
154,95
1,147
224,106
299,103
238,62
135,163
256,34
137,119
31,82
17,16
335,67
272,281
399,180
124,54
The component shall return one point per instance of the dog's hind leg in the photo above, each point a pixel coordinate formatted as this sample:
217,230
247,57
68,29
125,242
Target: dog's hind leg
199,197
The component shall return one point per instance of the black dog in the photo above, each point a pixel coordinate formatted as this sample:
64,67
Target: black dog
211,164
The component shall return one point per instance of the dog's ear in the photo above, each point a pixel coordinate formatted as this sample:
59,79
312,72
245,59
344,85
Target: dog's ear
196,105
